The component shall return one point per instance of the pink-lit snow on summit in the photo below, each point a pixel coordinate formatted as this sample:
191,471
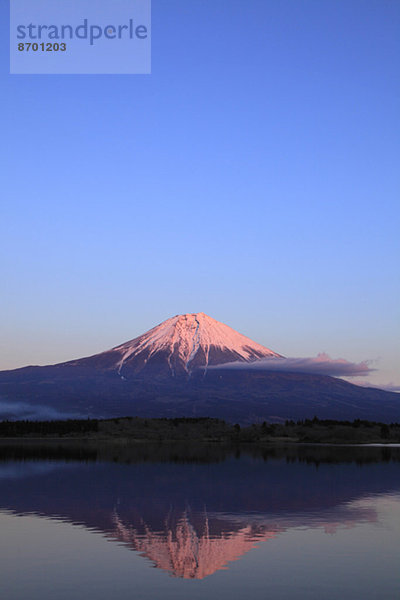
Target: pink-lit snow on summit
189,341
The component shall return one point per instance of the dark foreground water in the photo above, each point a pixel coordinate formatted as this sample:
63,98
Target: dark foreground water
199,522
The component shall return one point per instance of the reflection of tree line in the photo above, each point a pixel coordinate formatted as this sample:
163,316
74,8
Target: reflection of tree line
123,451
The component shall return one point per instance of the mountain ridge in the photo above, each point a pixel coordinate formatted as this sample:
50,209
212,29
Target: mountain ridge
181,368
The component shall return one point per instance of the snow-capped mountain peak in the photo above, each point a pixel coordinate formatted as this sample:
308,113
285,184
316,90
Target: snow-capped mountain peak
188,341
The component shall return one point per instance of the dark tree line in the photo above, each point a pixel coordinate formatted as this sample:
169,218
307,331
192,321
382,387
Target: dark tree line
206,429
47,428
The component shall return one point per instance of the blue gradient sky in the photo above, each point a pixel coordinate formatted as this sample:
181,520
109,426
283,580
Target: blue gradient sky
253,176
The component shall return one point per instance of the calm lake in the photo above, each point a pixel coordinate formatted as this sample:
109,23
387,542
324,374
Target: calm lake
180,521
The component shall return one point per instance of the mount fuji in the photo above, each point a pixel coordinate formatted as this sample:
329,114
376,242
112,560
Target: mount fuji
181,368
177,347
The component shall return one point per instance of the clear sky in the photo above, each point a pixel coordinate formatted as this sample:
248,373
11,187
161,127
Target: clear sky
253,176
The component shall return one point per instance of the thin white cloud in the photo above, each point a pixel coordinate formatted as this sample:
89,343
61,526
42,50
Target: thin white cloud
388,387
22,410
319,365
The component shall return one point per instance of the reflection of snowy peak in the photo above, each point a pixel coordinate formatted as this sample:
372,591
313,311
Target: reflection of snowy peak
181,344
183,552
197,545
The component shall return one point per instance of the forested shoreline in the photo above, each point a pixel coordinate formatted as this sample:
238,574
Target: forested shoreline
205,429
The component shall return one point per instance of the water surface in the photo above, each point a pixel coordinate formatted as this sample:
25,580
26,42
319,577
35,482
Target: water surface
182,521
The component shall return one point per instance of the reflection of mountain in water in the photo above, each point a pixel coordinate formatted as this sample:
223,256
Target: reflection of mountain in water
194,552
193,519
184,551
